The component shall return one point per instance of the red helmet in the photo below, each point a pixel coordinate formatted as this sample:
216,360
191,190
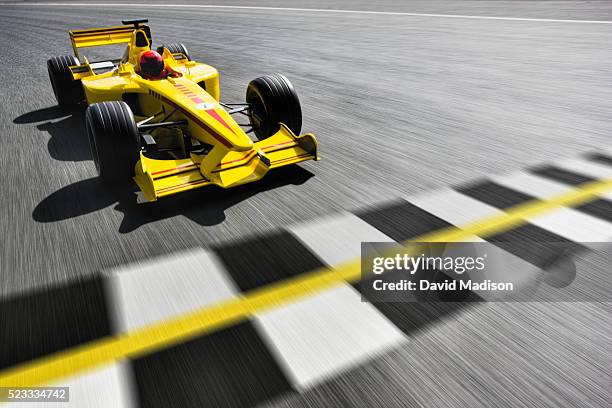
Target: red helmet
151,64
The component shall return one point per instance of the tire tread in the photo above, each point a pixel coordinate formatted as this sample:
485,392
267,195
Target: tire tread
114,140
68,92
281,103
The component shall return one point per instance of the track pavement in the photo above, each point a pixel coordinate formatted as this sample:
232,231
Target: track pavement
402,105
256,323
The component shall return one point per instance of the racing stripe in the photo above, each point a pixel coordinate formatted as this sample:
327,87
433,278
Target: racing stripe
199,122
215,114
194,165
246,156
183,166
191,183
293,158
268,148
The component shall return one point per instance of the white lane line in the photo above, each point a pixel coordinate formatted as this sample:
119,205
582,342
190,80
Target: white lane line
454,207
312,10
337,238
566,222
160,288
110,386
532,184
459,209
317,337
585,167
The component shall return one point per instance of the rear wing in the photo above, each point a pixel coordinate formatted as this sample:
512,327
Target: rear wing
96,37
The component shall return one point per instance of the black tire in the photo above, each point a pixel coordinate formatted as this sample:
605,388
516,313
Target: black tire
273,100
68,92
175,48
114,140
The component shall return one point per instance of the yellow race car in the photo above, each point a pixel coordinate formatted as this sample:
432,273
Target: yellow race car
156,116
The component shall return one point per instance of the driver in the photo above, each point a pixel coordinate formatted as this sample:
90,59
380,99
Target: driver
152,66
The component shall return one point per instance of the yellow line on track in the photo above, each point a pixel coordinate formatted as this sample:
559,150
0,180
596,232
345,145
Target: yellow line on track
140,342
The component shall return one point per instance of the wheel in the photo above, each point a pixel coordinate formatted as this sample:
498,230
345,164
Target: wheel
113,139
68,92
175,48
273,99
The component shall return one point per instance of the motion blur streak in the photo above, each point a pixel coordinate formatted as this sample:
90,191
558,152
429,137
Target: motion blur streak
173,331
311,10
403,106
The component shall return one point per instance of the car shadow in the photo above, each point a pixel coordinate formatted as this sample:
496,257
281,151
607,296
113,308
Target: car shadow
205,206
41,115
68,140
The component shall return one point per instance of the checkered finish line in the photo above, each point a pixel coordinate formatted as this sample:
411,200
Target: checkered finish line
292,347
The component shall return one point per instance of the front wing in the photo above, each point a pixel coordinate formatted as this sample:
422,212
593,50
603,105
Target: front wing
160,178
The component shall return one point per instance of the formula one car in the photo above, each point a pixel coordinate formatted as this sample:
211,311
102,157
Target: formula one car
170,132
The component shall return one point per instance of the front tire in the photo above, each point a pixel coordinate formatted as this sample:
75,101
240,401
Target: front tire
68,92
273,100
113,139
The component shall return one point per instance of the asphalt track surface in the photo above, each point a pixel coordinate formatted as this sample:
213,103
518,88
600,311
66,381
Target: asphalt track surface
401,104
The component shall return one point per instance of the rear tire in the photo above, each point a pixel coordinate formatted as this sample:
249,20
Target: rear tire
175,48
68,92
273,100
113,139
